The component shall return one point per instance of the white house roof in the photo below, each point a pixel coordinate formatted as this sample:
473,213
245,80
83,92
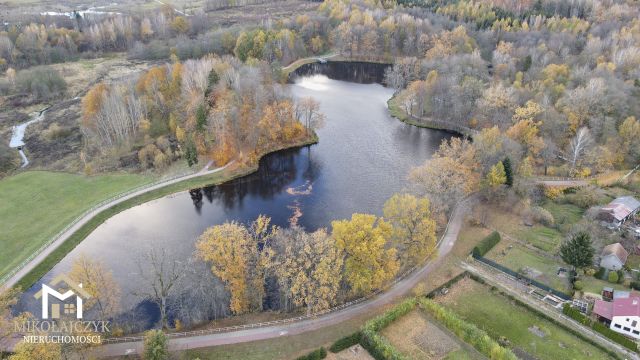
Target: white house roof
622,207
617,250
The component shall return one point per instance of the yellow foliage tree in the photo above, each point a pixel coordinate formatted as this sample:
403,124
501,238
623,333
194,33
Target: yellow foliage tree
369,264
413,228
497,175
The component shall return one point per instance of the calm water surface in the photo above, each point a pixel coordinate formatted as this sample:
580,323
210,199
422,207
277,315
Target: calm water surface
362,158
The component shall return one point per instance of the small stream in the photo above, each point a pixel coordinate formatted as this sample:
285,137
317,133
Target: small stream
17,137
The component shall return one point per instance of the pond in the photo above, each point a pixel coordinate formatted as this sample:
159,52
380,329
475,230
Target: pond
362,158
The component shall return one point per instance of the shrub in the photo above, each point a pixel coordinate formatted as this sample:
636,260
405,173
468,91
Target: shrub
314,355
590,271
377,345
620,276
42,82
613,277
346,342
468,332
552,192
487,244
600,273
578,285
155,345
635,285
542,216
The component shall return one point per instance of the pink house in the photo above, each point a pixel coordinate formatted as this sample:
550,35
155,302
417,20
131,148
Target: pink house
622,314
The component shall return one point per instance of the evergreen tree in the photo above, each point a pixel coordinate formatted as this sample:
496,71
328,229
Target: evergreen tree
155,345
578,251
201,118
508,171
191,153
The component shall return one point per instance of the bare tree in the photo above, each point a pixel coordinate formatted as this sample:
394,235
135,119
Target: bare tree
308,111
161,277
578,146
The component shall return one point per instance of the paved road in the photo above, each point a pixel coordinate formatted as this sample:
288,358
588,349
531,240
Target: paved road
54,245
270,332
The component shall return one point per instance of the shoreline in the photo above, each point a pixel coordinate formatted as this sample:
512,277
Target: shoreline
92,222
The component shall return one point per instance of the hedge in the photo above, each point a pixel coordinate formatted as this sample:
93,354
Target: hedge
377,346
487,244
597,326
468,332
346,342
314,355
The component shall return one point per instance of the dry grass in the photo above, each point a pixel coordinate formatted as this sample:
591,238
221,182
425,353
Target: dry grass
418,338
356,352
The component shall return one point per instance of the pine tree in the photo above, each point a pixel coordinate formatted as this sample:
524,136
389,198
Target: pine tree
191,153
508,171
155,345
201,118
578,251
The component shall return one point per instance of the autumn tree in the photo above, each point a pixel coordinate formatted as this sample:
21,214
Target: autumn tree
414,231
449,175
37,350
234,252
369,263
308,267
497,175
98,281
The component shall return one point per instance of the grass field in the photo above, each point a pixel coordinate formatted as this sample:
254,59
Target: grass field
542,237
516,257
564,213
526,331
35,205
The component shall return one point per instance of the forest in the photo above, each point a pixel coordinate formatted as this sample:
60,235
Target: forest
544,87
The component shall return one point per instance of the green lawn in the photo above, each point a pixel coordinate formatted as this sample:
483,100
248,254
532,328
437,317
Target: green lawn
564,213
595,286
518,257
36,205
542,237
501,317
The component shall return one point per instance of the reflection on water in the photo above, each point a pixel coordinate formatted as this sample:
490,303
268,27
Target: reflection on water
363,157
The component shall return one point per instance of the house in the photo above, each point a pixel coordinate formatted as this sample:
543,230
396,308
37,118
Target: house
613,257
622,314
619,210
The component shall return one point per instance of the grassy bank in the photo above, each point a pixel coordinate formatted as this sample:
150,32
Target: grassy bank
397,112
77,237
35,205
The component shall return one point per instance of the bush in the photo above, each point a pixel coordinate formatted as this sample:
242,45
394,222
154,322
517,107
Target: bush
155,345
600,273
578,285
542,216
620,276
314,355
635,285
42,82
346,342
613,277
468,332
487,244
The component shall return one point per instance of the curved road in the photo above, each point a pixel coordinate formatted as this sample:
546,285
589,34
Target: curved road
268,332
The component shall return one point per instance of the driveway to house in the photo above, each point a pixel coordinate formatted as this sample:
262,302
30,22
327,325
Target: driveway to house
294,328
37,259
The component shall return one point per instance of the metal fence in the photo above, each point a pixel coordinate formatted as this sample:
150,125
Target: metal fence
53,239
519,276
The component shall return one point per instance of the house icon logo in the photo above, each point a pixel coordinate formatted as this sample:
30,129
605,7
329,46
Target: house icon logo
68,309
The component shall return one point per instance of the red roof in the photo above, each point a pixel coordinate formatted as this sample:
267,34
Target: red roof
619,307
603,309
626,307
